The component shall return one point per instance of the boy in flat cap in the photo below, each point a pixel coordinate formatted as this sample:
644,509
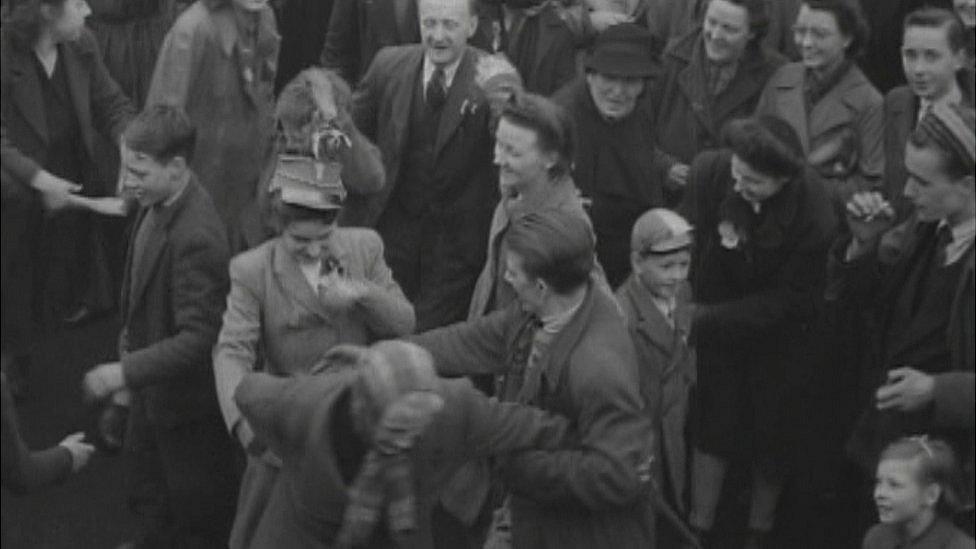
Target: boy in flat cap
656,300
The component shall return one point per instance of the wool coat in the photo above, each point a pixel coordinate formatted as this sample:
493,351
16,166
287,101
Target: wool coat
941,534
24,470
618,168
226,87
757,279
873,283
298,418
593,496
276,323
666,364
543,49
436,247
842,134
102,111
688,119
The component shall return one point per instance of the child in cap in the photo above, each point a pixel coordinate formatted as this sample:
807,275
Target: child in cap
657,301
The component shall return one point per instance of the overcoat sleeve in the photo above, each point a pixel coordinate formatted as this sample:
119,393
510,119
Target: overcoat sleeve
199,288
340,52
472,347
236,351
385,309
615,440
267,403
111,109
179,60
24,470
954,398
366,98
22,167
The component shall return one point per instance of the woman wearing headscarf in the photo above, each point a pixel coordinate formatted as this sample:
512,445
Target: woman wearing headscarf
831,105
763,225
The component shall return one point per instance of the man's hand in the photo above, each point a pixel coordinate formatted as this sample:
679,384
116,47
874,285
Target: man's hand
54,190
80,451
868,215
103,380
907,390
340,292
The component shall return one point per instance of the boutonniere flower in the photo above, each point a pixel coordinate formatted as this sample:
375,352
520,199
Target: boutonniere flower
469,106
248,75
730,237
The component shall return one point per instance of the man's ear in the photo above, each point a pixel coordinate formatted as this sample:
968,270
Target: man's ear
931,494
472,25
177,166
969,182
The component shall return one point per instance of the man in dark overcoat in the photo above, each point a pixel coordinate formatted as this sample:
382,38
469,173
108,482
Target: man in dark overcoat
181,464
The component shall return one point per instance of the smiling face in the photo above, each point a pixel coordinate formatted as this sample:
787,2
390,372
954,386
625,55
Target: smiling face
662,274
819,39
148,180
725,31
67,21
523,167
445,26
930,64
307,240
754,186
898,494
614,96
966,10
935,195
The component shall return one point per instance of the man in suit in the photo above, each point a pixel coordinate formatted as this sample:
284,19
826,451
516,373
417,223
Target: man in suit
182,466
421,106
563,346
934,58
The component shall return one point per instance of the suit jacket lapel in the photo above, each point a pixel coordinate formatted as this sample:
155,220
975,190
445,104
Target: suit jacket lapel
127,272
744,85
27,92
693,87
78,83
407,79
791,102
296,287
456,97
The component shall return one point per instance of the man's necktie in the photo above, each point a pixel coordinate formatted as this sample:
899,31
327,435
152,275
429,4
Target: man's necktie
436,90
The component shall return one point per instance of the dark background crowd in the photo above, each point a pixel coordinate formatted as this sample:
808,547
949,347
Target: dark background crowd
188,198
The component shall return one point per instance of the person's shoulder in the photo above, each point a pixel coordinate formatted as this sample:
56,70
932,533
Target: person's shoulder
681,50
85,45
392,56
358,237
960,540
251,262
858,89
197,18
787,75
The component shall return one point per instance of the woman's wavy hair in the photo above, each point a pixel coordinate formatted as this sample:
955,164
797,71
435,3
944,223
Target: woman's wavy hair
23,19
767,144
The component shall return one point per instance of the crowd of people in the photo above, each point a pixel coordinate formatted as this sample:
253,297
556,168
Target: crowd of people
499,273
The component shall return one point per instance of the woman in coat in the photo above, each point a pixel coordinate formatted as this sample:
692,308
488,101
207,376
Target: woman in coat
712,75
763,225
57,98
219,62
831,105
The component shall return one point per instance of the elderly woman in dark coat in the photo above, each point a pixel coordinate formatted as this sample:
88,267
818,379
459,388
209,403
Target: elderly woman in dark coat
711,75
836,111
615,164
763,226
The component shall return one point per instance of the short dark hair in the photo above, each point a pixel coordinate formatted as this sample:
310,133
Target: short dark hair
767,144
850,20
284,214
555,246
937,464
551,123
163,132
23,19
929,17
758,18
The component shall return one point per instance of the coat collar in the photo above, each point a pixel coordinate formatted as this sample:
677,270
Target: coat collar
461,99
777,215
648,318
155,243
226,22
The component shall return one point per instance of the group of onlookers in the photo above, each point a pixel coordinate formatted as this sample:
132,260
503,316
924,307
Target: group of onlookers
646,269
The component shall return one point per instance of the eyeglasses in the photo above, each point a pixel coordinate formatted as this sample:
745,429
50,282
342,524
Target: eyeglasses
816,33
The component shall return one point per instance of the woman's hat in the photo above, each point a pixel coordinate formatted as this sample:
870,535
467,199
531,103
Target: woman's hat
625,50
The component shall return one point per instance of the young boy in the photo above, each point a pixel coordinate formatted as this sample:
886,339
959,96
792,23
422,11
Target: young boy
656,300
181,462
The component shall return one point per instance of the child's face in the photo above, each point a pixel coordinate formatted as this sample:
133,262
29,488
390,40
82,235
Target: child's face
898,494
663,274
